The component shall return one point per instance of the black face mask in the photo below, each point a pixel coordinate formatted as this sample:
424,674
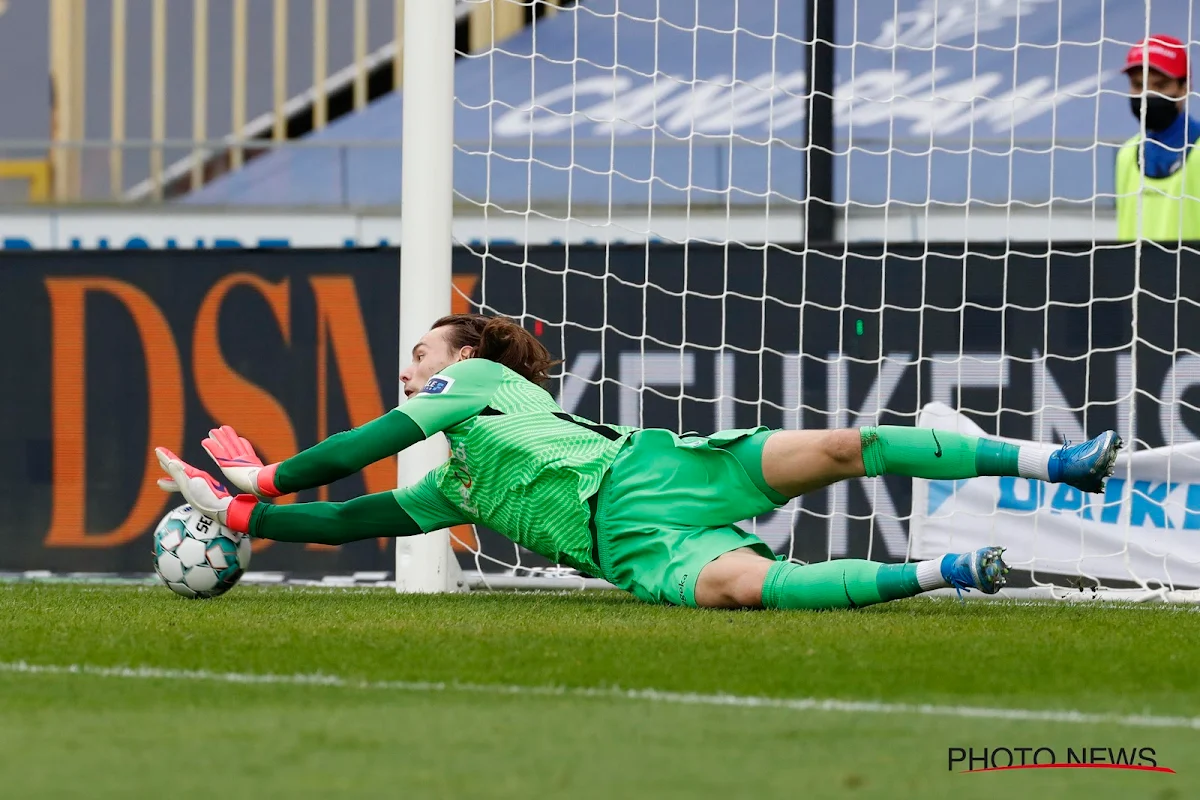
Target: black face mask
1160,111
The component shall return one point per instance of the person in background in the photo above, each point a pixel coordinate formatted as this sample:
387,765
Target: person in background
1158,178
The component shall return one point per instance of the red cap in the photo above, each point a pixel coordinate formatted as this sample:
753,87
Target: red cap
1166,54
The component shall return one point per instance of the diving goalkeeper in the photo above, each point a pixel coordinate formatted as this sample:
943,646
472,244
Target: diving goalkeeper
650,511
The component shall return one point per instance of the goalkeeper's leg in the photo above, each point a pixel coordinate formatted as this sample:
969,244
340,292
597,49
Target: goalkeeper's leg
796,462
744,579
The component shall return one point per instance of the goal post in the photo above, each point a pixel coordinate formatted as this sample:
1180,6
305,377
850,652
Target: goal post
426,563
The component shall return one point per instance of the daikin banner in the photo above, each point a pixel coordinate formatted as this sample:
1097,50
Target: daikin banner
1146,524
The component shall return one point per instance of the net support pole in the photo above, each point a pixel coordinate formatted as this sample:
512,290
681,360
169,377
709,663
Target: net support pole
818,205
426,563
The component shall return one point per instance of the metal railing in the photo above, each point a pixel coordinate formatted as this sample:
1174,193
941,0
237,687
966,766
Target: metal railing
321,54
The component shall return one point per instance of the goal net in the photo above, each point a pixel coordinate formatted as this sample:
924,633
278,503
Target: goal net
636,181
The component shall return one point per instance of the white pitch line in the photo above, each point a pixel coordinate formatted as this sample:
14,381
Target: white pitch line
613,693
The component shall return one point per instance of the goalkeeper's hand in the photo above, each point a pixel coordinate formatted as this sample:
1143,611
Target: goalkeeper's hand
203,492
239,463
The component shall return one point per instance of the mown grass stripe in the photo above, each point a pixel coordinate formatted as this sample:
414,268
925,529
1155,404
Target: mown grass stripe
613,693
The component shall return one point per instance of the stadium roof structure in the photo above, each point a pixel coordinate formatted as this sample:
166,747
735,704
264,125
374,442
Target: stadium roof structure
656,102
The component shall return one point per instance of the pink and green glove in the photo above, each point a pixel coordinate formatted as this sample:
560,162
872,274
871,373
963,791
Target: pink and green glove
204,493
240,464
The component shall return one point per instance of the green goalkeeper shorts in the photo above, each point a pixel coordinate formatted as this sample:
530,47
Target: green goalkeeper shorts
669,505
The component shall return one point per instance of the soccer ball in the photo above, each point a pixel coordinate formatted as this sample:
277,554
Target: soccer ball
196,556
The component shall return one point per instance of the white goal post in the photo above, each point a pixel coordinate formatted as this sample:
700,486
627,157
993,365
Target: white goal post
426,563
630,178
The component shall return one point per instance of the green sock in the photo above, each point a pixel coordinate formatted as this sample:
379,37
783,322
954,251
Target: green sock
934,455
845,583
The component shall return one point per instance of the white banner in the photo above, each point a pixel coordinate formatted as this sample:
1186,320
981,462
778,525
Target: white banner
172,228
1145,527
105,230
176,227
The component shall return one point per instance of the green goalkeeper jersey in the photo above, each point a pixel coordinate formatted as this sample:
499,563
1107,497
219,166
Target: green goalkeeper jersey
518,464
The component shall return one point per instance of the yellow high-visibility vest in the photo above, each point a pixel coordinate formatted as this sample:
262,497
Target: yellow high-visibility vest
1170,206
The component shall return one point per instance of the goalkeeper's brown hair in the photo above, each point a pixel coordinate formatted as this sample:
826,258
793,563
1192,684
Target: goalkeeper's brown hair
500,339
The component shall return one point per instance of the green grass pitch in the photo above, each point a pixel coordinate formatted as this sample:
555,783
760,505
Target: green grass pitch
576,696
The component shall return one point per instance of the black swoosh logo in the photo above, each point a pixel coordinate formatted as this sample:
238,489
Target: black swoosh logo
937,454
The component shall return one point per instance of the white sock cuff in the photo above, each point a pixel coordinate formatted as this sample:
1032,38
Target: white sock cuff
1033,461
929,575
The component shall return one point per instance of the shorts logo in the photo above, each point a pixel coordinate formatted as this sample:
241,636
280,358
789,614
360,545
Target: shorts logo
437,385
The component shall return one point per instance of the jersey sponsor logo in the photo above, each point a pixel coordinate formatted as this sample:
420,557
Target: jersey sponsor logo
462,473
437,385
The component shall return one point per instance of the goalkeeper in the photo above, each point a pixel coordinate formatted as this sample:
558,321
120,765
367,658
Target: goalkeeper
652,512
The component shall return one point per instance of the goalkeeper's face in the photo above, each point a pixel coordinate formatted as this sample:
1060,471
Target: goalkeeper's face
432,354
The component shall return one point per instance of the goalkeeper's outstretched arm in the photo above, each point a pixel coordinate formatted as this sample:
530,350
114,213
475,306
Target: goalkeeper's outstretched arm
419,508
368,517
343,454
455,371
403,512
435,408
335,458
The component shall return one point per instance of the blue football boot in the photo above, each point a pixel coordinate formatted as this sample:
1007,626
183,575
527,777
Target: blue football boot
983,569
1086,465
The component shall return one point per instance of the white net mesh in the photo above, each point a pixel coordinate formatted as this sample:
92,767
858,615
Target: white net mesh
633,177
